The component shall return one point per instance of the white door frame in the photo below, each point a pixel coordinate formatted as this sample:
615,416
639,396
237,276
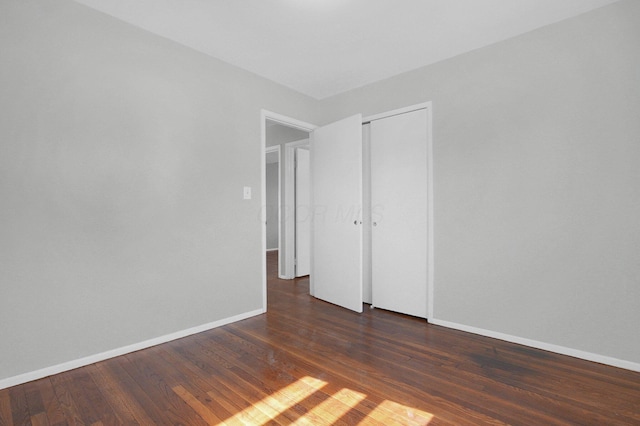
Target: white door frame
290,122
267,150
302,202
430,238
290,219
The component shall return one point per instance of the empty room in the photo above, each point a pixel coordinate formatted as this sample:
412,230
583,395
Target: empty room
454,184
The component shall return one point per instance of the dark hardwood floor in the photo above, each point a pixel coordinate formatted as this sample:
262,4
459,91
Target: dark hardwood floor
309,362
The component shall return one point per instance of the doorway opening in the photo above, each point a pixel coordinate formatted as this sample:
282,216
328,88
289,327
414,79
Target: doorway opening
282,137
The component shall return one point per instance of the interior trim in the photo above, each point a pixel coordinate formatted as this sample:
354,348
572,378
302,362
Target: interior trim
81,362
563,350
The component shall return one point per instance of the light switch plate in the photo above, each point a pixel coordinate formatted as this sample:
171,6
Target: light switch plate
247,192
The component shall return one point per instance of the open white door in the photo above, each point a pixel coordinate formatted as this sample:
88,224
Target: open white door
336,193
399,217
303,216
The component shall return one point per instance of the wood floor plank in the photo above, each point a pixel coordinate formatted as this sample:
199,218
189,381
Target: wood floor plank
202,410
193,381
66,400
40,419
143,369
86,396
52,408
145,407
6,416
34,401
19,407
126,410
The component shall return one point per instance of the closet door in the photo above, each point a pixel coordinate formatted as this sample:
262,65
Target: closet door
336,193
399,213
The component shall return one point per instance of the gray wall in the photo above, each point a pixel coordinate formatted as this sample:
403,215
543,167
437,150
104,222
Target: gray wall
272,205
122,162
537,180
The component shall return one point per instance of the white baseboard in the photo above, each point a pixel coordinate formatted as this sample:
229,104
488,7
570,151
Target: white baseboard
602,359
70,365
275,249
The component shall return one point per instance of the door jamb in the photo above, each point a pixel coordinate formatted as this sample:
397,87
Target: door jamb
289,196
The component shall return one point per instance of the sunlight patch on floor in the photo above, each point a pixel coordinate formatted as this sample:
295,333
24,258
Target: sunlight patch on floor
278,402
330,410
406,415
334,407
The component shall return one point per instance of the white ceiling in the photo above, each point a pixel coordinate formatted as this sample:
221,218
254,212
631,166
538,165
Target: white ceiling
325,47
